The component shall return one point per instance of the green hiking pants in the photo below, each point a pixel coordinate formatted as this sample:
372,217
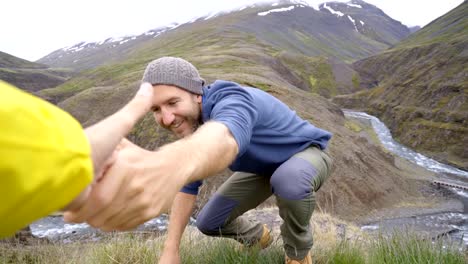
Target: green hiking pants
294,184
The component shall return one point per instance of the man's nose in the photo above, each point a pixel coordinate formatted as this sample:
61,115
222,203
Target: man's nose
167,117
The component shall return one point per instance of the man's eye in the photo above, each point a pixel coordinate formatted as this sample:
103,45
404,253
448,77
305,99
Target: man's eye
173,103
155,109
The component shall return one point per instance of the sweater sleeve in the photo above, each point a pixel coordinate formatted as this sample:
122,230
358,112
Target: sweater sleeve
45,159
192,188
235,108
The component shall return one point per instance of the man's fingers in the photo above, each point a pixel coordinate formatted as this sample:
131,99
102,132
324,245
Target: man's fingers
144,210
80,200
125,143
112,215
121,218
109,162
102,194
140,212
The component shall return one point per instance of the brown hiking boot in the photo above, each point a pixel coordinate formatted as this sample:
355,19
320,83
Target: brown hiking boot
306,260
264,242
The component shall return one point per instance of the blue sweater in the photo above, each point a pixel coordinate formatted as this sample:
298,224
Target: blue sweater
266,130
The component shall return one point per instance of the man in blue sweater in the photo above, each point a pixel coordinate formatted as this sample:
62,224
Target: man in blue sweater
223,125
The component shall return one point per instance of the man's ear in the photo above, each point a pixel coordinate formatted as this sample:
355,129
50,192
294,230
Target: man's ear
199,98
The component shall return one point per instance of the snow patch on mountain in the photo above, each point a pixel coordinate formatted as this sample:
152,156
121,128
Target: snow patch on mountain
354,22
337,13
353,5
284,9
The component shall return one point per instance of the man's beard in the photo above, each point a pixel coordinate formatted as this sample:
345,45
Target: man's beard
195,125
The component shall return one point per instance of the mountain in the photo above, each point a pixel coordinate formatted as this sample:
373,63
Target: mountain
294,64
30,76
414,29
334,35
88,55
419,88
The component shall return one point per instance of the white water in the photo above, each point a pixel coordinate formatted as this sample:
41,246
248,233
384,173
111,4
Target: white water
455,223
55,229
387,140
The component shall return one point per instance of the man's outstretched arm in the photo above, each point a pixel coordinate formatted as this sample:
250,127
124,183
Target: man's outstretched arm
211,149
142,184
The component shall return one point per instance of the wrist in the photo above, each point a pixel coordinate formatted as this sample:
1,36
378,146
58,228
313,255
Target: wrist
127,117
171,246
171,158
136,108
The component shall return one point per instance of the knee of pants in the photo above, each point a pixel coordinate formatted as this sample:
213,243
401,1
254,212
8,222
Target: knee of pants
205,227
214,214
293,180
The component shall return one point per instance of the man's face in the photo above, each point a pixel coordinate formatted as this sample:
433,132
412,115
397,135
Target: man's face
176,109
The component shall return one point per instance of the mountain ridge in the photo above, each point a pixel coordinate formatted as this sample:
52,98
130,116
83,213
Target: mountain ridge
78,56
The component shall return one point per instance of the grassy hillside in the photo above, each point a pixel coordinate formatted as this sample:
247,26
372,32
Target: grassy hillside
419,88
9,61
30,76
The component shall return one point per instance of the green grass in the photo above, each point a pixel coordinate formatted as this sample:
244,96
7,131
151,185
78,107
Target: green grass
400,248
446,28
356,81
346,253
67,89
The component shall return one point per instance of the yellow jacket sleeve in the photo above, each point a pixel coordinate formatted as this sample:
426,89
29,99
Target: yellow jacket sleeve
45,159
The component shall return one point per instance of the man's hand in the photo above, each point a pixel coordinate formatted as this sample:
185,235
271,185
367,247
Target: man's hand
169,257
140,185
104,136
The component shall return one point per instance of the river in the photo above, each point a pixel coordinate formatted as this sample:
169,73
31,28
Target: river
454,223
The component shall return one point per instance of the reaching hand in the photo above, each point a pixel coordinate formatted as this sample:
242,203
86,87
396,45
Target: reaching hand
140,185
104,136
169,257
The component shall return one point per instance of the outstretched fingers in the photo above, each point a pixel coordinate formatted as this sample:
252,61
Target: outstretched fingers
102,195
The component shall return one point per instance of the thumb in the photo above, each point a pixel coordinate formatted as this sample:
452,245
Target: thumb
146,90
142,101
125,143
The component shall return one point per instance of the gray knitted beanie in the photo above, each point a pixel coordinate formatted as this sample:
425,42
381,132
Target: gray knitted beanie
174,71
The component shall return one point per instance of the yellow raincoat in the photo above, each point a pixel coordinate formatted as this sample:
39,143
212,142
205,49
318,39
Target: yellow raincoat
45,159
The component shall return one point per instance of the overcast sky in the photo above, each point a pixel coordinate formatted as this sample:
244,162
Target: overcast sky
31,29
